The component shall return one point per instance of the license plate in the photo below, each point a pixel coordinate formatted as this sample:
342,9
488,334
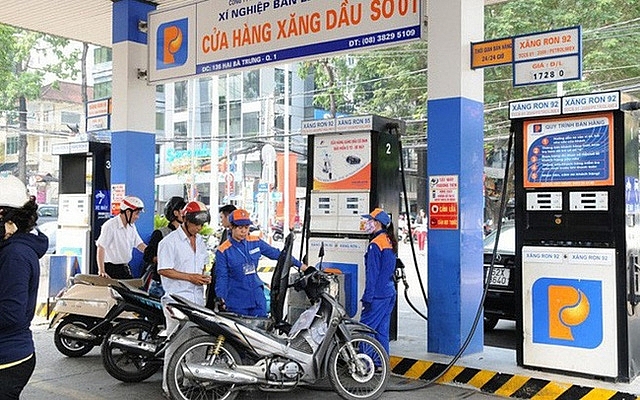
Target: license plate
499,276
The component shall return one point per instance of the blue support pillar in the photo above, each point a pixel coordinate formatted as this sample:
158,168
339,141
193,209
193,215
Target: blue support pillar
455,148
133,120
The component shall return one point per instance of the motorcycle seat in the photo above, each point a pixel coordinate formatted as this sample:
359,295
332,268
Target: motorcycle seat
97,280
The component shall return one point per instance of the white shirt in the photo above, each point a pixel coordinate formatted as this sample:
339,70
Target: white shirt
118,240
175,252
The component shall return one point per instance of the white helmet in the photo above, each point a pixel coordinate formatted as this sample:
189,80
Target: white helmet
13,193
131,203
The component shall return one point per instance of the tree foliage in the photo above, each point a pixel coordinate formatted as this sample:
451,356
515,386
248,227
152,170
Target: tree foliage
393,82
24,64
20,74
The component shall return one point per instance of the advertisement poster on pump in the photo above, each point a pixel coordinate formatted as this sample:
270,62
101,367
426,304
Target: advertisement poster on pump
342,162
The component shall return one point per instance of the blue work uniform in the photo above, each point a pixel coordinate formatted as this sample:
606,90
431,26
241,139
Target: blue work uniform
379,295
237,280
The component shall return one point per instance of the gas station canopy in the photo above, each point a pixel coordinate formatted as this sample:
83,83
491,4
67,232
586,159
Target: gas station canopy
82,20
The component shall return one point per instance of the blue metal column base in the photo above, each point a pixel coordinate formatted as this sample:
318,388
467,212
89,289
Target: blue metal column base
132,163
455,264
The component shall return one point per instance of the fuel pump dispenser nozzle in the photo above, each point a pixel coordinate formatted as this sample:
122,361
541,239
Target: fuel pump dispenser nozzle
399,274
321,255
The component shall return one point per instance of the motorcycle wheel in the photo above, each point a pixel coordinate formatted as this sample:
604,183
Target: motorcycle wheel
73,347
199,350
363,376
126,365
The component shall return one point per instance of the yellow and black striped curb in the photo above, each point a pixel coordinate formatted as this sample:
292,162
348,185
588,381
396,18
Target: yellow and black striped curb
501,384
41,309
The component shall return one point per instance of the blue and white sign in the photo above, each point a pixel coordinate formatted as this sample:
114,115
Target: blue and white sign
214,36
101,201
547,57
534,108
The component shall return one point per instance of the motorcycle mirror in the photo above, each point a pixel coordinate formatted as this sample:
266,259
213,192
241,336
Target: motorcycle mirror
321,255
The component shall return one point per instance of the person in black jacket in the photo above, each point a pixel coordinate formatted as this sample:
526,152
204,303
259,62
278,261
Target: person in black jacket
21,246
172,212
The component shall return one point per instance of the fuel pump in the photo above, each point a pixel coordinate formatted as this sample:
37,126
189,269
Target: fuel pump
84,199
577,235
353,168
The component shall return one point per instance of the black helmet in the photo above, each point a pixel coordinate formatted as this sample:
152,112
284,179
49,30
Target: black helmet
176,203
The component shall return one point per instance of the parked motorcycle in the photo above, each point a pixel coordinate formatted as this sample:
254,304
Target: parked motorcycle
277,232
133,350
403,234
82,314
272,355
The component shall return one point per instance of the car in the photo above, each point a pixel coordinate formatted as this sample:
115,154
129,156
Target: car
500,300
50,229
47,213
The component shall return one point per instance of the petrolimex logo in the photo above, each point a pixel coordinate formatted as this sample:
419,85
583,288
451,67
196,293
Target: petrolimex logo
567,312
171,44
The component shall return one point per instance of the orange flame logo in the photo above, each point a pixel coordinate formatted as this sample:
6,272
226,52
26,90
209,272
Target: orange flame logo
172,43
568,307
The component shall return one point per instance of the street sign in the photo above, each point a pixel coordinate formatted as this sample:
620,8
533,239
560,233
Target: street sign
543,57
443,202
97,108
547,57
534,108
213,36
547,71
549,44
100,123
491,53
591,102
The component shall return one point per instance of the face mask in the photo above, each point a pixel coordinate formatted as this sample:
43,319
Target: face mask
7,229
370,226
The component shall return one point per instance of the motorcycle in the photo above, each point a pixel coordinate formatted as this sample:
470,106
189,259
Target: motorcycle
268,353
82,314
277,232
404,237
132,350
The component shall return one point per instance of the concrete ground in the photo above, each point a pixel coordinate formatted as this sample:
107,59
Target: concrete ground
493,371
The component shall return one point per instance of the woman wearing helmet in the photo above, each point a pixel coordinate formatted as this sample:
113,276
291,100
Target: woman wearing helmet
173,214
20,248
182,257
118,236
238,285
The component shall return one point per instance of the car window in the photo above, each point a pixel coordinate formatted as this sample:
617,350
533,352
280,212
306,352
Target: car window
47,211
507,243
